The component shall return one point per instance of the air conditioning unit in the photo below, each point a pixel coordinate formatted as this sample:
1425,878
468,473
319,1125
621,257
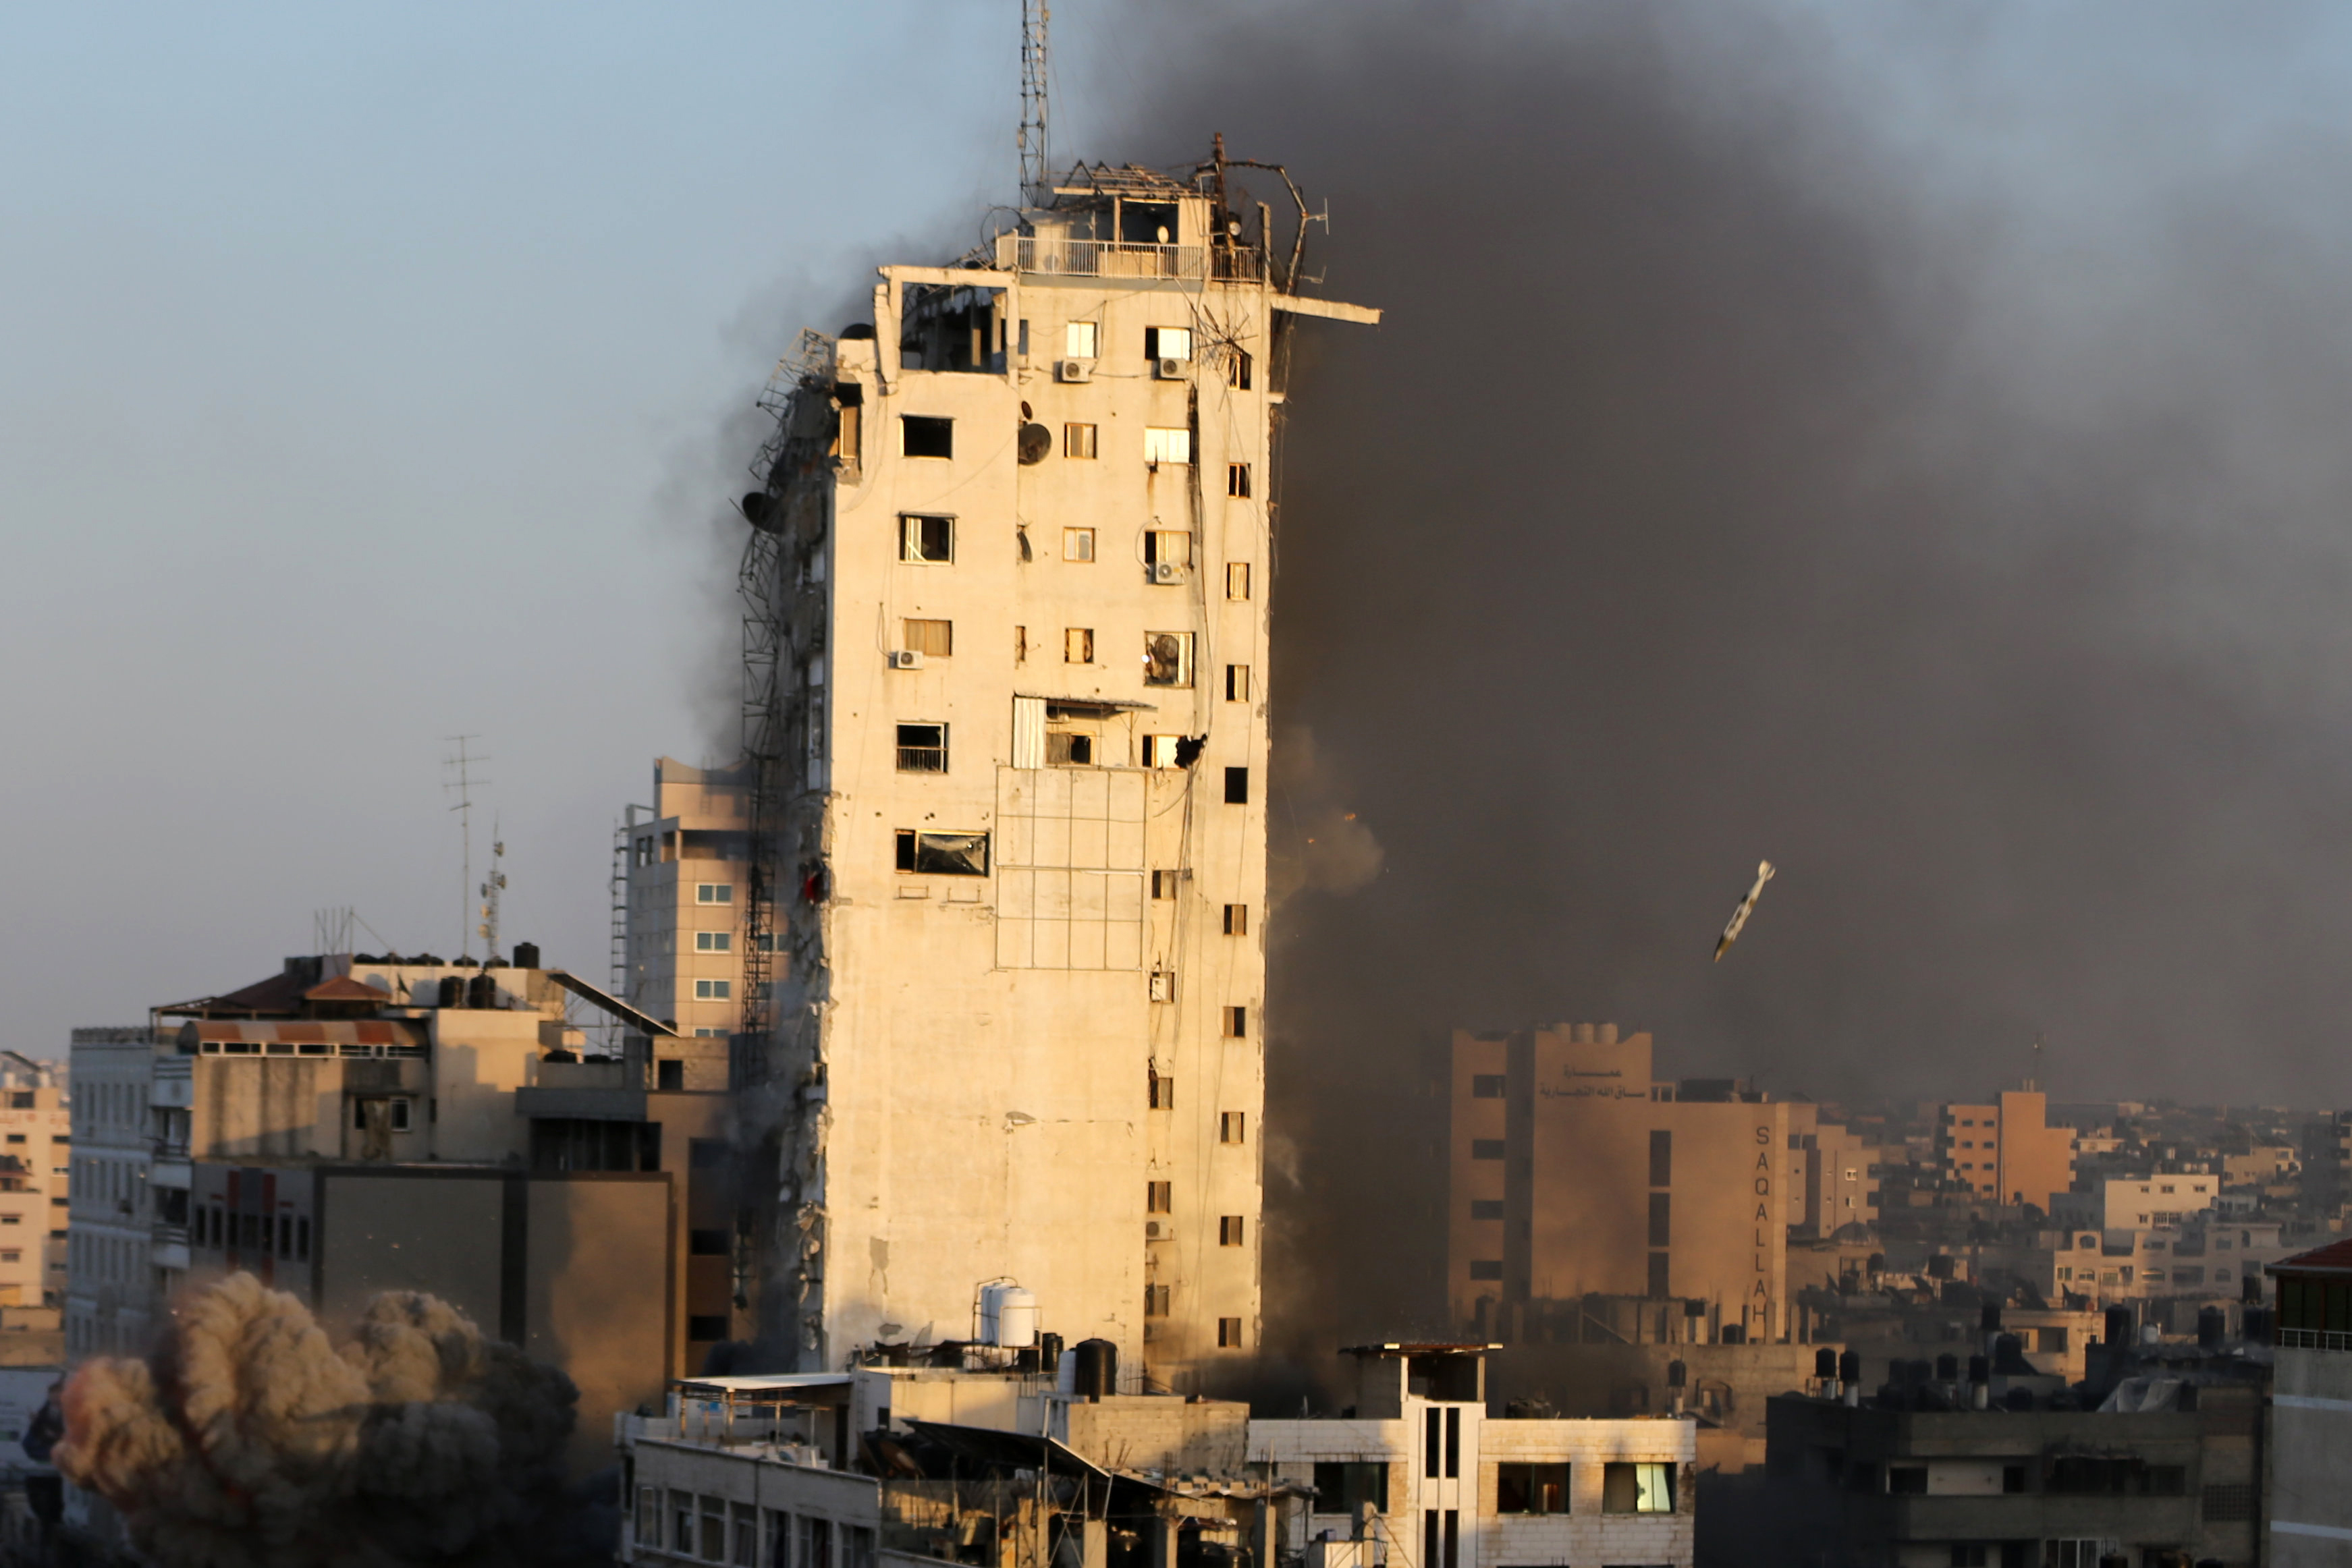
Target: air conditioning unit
1168,370
1167,572
1158,1229
1074,371
905,659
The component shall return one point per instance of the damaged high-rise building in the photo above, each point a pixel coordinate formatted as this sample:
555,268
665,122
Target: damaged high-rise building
1003,944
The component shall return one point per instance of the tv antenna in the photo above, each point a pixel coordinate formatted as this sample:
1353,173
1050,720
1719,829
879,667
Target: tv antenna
497,883
462,764
1035,175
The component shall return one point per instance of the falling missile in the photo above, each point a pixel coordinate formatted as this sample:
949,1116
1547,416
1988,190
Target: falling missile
1746,906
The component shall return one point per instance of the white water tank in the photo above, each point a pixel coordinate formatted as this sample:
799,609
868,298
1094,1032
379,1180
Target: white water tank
1008,1316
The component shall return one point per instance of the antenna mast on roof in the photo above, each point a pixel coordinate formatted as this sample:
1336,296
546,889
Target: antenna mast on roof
464,784
1035,174
490,891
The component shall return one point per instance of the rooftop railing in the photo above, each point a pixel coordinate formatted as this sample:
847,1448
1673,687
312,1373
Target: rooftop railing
2314,1339
1119,258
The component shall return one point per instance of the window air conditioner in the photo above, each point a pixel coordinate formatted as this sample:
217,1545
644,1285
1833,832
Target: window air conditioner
1168,370
1167,572
905,659
1158,1229
1073,371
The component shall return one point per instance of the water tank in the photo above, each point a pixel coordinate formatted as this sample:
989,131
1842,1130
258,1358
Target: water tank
1049,1352
2212,1327
1979,1369
526,955
1850,1366
1825,1362
482,990
1016,1318
1988,1317
1947,1368
453,991
1098,1372
2257,1325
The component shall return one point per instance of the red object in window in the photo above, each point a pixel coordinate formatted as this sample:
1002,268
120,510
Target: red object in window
813,887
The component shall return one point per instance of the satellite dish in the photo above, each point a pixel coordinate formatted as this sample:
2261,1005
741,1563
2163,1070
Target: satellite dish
756,507
1036,441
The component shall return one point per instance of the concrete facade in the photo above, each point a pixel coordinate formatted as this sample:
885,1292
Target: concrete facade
685,886
1021,535
1574,1171
112,1293
2006,1151
36,1135
2309,1511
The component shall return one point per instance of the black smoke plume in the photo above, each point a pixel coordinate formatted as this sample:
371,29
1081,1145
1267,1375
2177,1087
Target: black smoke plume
250,1440
1753,465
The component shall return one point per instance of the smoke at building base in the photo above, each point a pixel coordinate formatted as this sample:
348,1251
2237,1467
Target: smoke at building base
1747,460
250,1438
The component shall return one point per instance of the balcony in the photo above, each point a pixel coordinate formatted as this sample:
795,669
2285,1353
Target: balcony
171,1247
1113,258
2312,1338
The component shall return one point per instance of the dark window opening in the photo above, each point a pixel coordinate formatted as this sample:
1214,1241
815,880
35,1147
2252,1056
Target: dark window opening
951,327
1486,1086
923,749
1229,1333
705,1329
1486,1268
707,1243
1661,1218
1237,480
1485,1209
1159,1197
1236,919
1237,786
1147,223
1343,1485
1531,1489
1657,1281
1237,1023
1662,1159
921,436
1231,1229
929,540
1485,1149
1067,748
1163,1093
942,854
1155,1301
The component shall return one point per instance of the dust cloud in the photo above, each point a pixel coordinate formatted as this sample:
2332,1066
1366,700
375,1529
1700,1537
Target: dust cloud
1753,465
249,1438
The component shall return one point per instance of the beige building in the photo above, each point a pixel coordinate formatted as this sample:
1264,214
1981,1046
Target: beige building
1575,1172
35,1155
683,886
1833,1176
1012,566
2007,1152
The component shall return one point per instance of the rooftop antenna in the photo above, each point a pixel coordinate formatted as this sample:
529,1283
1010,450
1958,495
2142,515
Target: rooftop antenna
331,930
1034,176
464,785
489,928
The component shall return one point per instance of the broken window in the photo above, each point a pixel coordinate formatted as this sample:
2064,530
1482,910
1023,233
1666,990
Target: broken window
1163,884
942,854
1162,444
1159,1197
1237,371
1531,1489
1163,1091
953,326
1069,748
1229,1230
1155,1301
1232,1126
1237,481
1168,658
1078,544
1237,786
929,539
1237,683
1345,1486
932,639
1147,223
1639,1488
1078,343
1237,580
1485,1209
921,436
1077,646
1236,919
1237,1023
1485,1149
1159,751
1229,1333
1167,342
1077,441
923,749
1485,1086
